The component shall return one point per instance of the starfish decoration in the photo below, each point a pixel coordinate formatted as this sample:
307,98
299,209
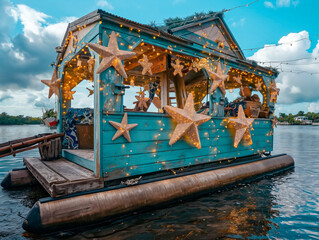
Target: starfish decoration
274,92
53,84
111,55
123,128
194,66
69,94
91,91
141,92
141,100
187,122
177,68
218,79
274,122
238,79
147,66
258,85
241,125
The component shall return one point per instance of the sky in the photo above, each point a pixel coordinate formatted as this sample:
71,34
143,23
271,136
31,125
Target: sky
31,29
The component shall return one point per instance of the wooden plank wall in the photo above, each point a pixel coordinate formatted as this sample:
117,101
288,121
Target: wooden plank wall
149,150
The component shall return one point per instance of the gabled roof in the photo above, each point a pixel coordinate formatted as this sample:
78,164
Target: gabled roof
216,17
169,35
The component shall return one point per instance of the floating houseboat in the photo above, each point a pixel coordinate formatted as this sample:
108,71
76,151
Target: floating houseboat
177,111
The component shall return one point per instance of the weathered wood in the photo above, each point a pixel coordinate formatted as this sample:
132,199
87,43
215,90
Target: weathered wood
51,150
20,143
61,177
83,153
43,174
69,170
77,186
99,205
18,178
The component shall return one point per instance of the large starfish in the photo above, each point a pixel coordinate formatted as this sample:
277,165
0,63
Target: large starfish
177,68
218,79
53,84
241,125
111,55
147,66
187,122
123,128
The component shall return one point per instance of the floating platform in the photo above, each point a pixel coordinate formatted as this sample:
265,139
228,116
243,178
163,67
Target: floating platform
62,177
52,214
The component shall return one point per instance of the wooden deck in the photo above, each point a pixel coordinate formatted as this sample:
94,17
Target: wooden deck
62,177
83,153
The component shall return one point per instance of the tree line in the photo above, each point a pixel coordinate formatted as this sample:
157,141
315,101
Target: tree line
283,117
6,119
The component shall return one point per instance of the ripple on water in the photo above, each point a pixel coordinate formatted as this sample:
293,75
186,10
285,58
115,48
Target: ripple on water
285,206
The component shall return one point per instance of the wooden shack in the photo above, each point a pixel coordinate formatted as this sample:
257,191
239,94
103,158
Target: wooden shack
177,111
197,48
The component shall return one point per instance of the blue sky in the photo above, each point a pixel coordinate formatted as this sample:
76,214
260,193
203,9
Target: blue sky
31,29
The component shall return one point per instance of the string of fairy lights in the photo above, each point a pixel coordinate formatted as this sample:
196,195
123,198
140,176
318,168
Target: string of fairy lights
74,73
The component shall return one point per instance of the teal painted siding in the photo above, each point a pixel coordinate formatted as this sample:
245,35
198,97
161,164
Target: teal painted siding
79,160
149,150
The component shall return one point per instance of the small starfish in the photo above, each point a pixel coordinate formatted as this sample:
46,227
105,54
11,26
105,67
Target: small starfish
147,66
91,91
238,79
258,85
177,68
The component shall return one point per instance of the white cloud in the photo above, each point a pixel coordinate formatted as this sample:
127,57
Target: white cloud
295,81
269,4
314,107
25,57
106,4
241,22
25,102
281,3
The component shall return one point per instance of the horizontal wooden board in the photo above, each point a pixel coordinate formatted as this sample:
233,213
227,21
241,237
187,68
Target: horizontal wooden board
180,155
148,121
141,135
69,170
42,172
163,145
137,170
150,151
62,177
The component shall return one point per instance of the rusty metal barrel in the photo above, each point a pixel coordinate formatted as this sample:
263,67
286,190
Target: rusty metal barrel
97,206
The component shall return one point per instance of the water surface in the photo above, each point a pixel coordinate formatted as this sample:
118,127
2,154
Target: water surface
285,206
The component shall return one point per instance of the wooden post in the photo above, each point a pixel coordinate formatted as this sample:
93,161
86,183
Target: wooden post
164,89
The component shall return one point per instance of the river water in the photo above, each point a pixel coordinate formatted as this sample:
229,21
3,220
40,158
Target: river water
285,206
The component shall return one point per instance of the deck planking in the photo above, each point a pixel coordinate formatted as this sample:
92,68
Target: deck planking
83,153
61,177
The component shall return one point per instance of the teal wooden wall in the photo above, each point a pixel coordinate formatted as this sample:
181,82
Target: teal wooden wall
149,150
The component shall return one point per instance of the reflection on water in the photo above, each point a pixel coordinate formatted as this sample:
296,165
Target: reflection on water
284,206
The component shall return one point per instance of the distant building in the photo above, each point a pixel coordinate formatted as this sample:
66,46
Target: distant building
303,120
